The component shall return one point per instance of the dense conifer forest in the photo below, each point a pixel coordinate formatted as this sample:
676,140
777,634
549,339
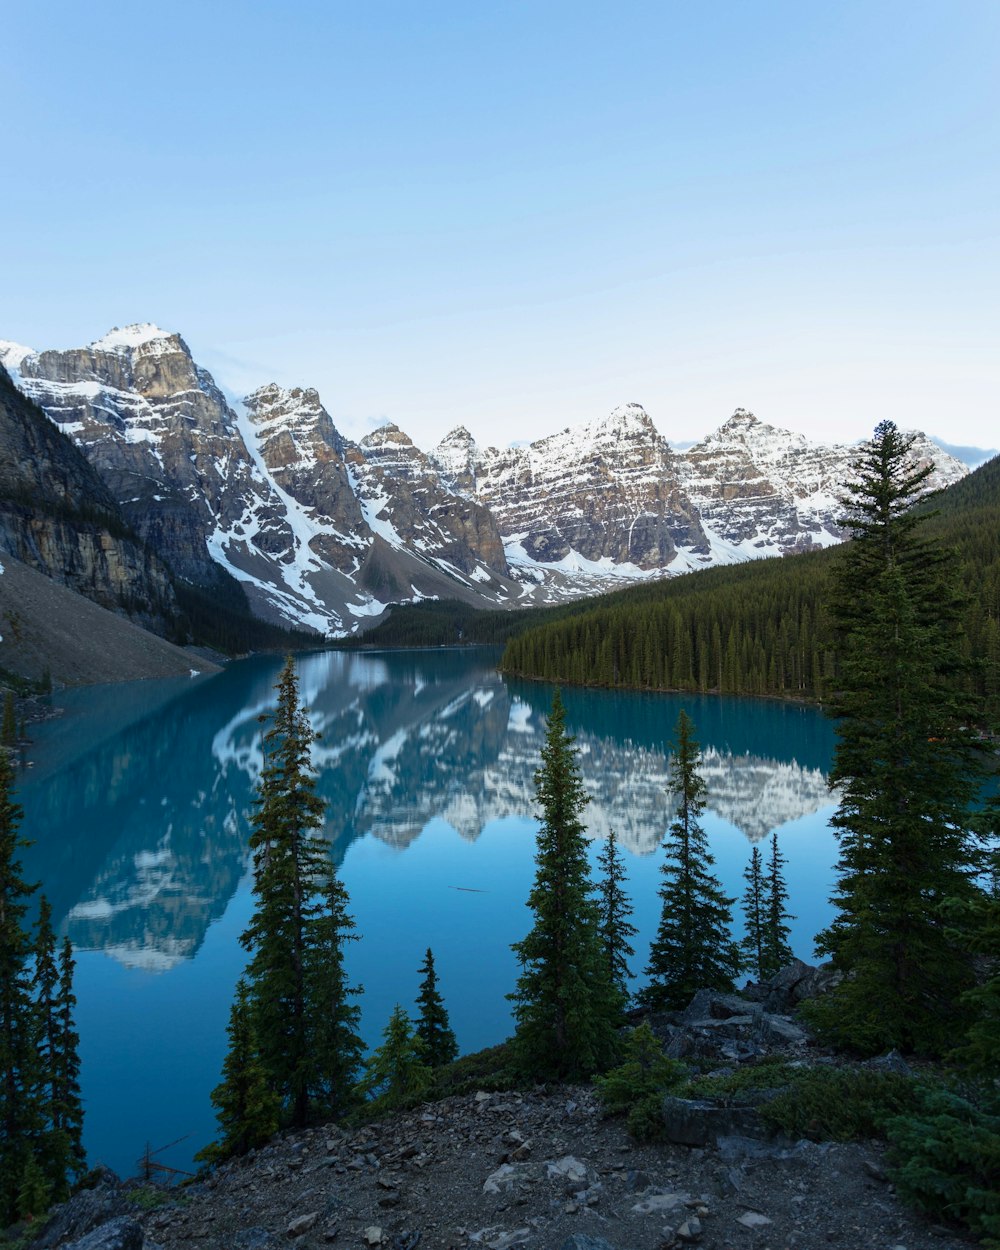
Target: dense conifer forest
761,628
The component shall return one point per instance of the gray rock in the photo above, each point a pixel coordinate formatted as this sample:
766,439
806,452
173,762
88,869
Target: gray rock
690,1230
302,1224
891,1062
701,1122
708,1005
777,1031
122,1233
580,1241
738,1149
255,1238
753,1219
793,984
86,1210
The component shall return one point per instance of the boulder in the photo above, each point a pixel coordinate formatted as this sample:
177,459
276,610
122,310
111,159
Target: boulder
87,1209
122,1233
701,1122
794,984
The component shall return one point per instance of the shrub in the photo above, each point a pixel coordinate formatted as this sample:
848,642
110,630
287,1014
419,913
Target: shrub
840,1104
945,1159
637,1086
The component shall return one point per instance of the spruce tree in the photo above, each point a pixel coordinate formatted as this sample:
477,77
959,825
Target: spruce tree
693,948
566,1008
614,908
433,1027
67,1104
907,767
334,1017
755,911
248,1110
777,948
397,1074
8,726
304,1025
54,1152
20,1115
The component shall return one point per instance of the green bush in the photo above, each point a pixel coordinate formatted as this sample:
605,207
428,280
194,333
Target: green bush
637,1086
840,1104
945,1159
744,1082
488,1070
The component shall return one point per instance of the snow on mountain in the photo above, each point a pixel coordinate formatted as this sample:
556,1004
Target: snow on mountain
325,533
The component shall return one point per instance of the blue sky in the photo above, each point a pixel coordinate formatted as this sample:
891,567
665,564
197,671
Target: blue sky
516,215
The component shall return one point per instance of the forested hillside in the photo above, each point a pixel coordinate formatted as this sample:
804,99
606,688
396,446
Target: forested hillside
758,628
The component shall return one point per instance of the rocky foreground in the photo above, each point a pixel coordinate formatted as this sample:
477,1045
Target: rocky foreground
542,1169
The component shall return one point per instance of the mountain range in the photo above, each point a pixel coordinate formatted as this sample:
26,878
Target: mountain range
192,490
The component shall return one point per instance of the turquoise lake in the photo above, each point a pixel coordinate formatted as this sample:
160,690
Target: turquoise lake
137,799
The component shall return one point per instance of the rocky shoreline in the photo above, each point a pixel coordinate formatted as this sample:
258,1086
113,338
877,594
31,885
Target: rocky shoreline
545,1169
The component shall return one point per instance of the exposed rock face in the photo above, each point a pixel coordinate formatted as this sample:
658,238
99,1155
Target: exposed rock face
608,491
305,456
57,516
760,490
406,500
159,431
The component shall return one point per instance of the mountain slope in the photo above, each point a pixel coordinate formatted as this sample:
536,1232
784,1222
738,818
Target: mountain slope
325,534
758,629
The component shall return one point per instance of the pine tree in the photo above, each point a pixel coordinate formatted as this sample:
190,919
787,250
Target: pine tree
906,764
305,1027
54,1153
397,1074
20,1117
614,908
755,911
693,948
248,1110
433,1027
777,949
67,1105
334,1018
565,1007
8,727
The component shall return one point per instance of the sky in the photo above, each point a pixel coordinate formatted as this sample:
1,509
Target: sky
517,215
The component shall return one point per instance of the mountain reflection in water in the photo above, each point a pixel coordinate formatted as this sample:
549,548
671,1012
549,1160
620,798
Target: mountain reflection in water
139,798
145,832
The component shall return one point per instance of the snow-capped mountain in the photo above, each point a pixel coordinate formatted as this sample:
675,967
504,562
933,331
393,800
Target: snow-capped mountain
325,533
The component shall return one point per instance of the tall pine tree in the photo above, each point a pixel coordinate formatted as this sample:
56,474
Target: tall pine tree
907,767
20,1114
693,948
614,908
247,1109
433,1026
755,913
40,1111
300,1015
777,948
566,1008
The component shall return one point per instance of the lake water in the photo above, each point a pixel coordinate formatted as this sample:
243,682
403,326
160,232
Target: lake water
137,800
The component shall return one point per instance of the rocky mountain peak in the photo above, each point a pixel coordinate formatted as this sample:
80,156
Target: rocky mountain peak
455,459
299,408
140,335
12,354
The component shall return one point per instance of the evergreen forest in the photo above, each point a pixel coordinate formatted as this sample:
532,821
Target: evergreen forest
762,628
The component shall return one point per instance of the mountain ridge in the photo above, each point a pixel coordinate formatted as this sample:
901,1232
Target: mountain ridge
326,533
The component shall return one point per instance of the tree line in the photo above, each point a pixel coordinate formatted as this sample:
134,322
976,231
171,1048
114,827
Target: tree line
41,1114
764,628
